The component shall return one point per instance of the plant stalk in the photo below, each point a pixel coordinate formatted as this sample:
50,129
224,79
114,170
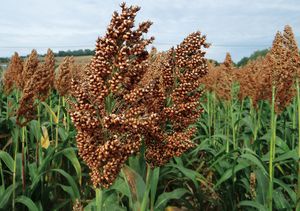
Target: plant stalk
298,106
99,197
144,205
272,150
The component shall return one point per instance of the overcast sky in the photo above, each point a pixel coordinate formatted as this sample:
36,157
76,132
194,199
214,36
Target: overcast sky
236,26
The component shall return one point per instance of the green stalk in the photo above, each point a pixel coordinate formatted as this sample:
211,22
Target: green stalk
23,160
51,119
294,117
240,115
144,205
257,122
214,117
209,115
2,176
272,150
232,126
39,113
66,117
227,126
298,105
14,171
99,197
57,126
7,109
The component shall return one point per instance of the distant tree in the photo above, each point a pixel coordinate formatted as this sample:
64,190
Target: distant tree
80,52
253,56
216,63
4,60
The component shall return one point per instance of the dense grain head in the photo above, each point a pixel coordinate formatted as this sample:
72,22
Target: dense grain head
43,78
219,79
115,109
37,83
63,79
228,63
176,101
30,67
291,44
248,78
13,75
111,78
155,62
277,69
280,73
50,67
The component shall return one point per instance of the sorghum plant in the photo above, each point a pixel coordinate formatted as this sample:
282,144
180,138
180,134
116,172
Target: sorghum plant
67,71
37,82
12,76
176,101
108,123
114,112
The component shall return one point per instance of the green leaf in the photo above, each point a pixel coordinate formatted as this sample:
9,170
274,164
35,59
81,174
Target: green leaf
280,202
165,197
191,174
71,155
153,185
230,172
71,182
27,202
253,204
4,198
69,190
136,185
285,187
288,155
262,186
120,186
254,160
51,112
111,205
8,160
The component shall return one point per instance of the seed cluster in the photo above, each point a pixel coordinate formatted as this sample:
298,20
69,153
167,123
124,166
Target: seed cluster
220,79
181,71
37,81
67,71
117,106
279,68
12,76
108,129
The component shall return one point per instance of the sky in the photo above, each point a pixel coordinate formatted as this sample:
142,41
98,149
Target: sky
236,26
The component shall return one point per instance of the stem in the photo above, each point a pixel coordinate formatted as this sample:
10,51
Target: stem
7,109
23,159
99,197
50,116
272,150
66,117
240,115
14,172
57,127
2,176
232,126
214,118
39,113
144,205
295,103
209,115
298,105
227,126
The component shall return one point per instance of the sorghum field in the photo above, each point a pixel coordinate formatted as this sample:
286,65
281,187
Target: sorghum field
137,129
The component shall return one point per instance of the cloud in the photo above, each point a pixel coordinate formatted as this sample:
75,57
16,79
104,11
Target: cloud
239,27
